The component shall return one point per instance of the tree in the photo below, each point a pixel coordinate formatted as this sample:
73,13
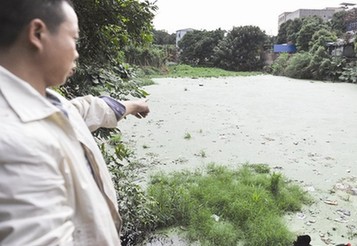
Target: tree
297,66
338,22
152,56
309,26
288,31
320,38
319,64
315,63
106,26
164,38
241,49
282,32
197,46
293,30
312,36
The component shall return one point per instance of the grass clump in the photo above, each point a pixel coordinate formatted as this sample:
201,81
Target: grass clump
205,72
187,136
201,154
222,206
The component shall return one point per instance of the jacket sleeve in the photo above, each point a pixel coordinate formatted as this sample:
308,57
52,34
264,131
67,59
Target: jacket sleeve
95,112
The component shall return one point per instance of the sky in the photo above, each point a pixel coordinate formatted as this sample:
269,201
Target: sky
173,15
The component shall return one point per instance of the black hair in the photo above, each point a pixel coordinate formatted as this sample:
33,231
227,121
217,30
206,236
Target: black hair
16,14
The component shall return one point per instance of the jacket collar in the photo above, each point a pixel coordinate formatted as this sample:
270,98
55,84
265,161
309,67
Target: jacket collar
26,102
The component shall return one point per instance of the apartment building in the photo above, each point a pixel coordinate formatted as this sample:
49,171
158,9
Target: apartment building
326,14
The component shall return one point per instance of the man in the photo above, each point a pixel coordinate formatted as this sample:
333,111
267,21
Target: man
55,188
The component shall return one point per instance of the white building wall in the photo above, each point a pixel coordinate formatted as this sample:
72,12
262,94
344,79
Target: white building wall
326,14
181,33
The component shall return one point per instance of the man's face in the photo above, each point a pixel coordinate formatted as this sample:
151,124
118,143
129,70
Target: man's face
60,53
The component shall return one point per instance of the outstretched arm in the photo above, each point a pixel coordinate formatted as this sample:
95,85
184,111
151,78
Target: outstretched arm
106,111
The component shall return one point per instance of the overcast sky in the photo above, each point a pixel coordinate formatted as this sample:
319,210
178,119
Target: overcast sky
210,15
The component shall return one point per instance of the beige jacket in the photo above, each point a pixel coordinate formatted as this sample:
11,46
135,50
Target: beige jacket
48,195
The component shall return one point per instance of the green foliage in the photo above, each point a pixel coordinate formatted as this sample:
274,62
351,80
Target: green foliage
259,168
323,66
150,72
150,56
116,81
297,66
202,153
349,74
221,206
145,56
268,45
309,26
107,26
268,230
197,47
337,67
288,31
187,136
275,183
282,37
170,52
163,38
199,72
134,205
338,23
320,64
280,64
241,49
312,35
175,71
320,39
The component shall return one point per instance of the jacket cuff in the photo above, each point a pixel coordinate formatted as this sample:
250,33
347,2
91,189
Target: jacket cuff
117,107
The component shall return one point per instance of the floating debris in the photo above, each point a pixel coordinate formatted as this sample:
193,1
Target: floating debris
331,202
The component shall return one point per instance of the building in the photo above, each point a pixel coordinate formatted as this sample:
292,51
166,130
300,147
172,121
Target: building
181,33
326,14
351,20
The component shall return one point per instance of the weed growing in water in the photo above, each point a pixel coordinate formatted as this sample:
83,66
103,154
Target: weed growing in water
187,136
221,206
201,154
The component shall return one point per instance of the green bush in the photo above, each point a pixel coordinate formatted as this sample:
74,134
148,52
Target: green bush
134,204
279,65
153,56
298,66
349,74
320,64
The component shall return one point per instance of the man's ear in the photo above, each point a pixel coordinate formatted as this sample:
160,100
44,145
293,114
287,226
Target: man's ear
36,31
